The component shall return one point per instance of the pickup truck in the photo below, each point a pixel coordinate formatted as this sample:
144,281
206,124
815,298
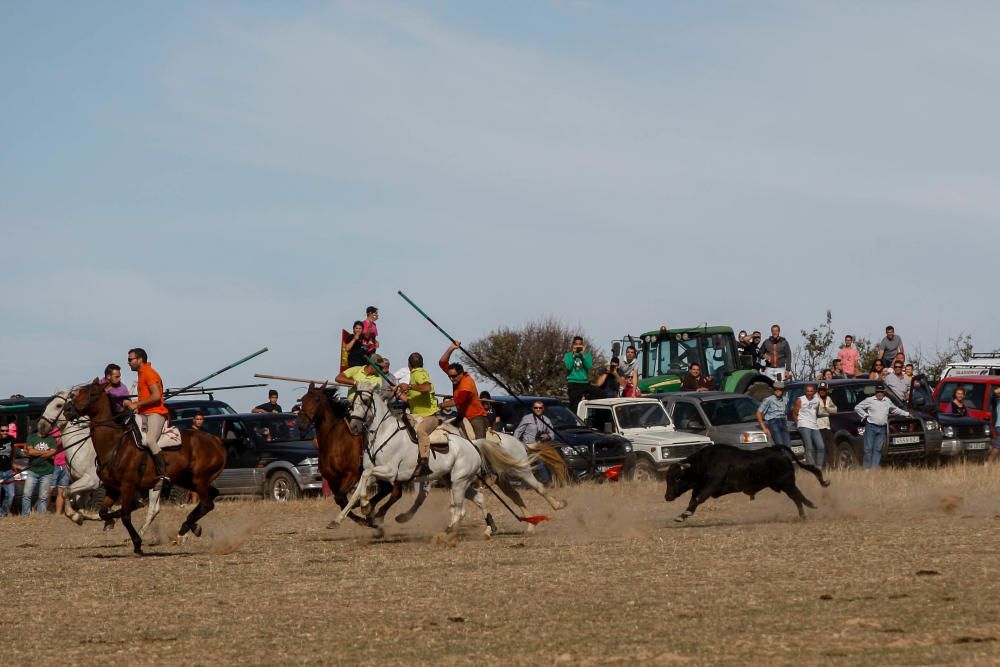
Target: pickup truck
645,423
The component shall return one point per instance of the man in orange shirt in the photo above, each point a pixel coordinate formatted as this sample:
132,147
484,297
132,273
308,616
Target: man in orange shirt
151,409
465,395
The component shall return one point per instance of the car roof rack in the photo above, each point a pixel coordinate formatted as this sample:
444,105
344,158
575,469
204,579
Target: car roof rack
208,391
986,355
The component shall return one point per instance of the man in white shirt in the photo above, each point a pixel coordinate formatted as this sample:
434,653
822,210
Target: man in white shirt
876,411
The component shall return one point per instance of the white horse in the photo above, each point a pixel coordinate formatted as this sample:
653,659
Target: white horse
81,459
391,456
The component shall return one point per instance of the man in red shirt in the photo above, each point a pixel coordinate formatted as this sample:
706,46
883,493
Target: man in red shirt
465,395
849,356
152,412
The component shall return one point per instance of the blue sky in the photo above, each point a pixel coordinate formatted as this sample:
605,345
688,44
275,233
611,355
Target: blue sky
204,179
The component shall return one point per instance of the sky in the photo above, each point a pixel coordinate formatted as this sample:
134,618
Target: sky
206,179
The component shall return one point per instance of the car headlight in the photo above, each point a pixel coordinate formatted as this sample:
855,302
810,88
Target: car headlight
748,437
569,451
664,452
931,425
949,431
987,429
628,447
309,462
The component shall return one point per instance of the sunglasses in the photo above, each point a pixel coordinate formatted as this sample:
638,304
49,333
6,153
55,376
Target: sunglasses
453,377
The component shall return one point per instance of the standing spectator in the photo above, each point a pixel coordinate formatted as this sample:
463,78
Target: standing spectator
898,383
754,348
464,394
776,354
849,356
890,346
695,381
837,372
909,370
805,415
578,362
629,373
995,409
357,347
607,382
491,413
875,411
115,389
40,451
370,331
772,415
827,374
826,408
7,470
536,428
271,405
60,471
877,371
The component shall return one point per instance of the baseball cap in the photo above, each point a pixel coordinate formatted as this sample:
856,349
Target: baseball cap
823,385
779,385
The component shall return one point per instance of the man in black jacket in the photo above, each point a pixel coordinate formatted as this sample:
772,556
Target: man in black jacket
776,354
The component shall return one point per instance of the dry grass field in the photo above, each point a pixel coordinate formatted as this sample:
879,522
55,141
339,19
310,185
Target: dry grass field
895,567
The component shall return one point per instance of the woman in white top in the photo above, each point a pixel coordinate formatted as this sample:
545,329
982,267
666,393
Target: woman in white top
805,415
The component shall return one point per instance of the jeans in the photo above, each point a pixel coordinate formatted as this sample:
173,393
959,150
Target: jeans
44,483
60,477
6,491
812,440
874,441
779,432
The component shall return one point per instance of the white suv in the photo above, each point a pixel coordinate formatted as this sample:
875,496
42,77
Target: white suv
646,424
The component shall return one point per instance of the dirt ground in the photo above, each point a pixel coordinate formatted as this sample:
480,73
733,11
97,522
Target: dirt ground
895,567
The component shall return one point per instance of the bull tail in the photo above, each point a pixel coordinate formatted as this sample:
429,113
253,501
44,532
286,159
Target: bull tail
548,455
806,466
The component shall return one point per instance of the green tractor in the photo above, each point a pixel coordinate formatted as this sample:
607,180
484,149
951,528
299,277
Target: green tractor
666,354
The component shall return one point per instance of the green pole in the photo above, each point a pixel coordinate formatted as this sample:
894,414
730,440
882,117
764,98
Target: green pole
218,372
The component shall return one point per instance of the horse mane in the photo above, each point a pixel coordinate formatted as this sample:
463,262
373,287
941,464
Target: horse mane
338,409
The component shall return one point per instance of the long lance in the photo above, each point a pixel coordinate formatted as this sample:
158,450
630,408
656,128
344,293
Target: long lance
489,373
218,372
288,378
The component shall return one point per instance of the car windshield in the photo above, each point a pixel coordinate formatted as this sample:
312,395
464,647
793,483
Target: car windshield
641,415
726,411
561,417
276,430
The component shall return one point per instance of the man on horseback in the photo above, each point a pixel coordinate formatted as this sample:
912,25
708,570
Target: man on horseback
114,387
465,395
423,409
355,374
150,409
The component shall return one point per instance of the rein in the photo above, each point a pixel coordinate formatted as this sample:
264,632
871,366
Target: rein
370,449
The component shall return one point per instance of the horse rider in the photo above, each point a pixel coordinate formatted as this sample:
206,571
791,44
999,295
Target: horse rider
151,409
465,395
423,407
115,389
366,373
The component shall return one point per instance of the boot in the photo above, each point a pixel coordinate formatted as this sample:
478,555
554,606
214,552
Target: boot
422,468
163,483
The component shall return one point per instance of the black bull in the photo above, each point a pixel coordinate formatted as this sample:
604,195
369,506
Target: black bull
721,469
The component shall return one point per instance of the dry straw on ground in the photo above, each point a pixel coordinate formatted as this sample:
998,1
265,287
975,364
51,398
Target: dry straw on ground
895,567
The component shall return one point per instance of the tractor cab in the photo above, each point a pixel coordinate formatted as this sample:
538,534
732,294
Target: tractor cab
666,356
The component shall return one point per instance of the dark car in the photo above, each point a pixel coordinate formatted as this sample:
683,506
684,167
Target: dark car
913,438
585,451
266,455
962,437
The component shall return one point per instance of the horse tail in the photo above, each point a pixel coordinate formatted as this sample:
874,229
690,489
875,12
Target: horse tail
502,461
548,455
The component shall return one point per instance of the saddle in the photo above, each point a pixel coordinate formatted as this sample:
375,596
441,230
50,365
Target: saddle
170,437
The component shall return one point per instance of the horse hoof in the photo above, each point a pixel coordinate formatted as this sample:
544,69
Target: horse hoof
488,533
561,504
403,518
196,530
530,528
826,483
682,518
77,519
333,524
379,533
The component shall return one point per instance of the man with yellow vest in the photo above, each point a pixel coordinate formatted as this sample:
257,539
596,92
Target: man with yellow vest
423,408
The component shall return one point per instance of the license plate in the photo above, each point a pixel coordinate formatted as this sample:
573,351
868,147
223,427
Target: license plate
798,450
908,440
976,445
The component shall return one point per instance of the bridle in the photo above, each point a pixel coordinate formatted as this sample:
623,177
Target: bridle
368,431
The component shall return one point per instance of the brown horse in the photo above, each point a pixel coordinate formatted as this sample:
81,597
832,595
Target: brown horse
340,454
126,470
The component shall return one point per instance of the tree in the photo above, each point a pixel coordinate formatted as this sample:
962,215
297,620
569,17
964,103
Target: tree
959,349
814,353
528,359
